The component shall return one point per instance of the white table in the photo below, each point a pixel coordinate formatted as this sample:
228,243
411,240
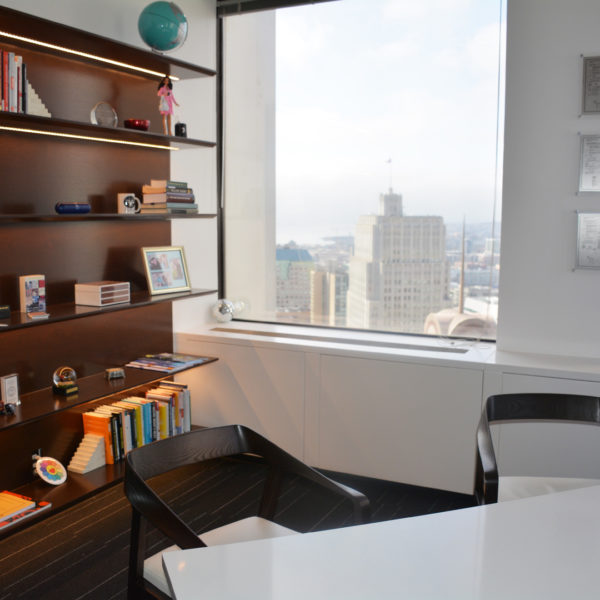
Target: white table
546,547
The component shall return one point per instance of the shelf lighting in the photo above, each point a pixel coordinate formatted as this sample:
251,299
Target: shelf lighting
95,57
85,137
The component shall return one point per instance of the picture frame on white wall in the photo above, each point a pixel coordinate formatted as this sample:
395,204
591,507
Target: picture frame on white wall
588,240
589,163
590,104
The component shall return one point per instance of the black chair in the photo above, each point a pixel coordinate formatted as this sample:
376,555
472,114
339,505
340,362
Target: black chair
146,577
531,407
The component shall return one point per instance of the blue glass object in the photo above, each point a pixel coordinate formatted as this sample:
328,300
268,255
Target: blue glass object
65,208
163,26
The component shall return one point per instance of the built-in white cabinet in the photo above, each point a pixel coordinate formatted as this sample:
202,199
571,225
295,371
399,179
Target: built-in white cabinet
407,422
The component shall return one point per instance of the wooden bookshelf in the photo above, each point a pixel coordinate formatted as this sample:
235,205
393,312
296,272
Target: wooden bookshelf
39,170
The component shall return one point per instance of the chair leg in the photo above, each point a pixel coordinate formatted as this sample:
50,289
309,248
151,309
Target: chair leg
137,546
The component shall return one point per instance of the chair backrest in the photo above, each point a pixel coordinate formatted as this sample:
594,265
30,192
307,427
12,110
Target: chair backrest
526,407
197,446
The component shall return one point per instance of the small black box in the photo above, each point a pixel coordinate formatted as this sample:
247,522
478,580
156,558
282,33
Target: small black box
4,311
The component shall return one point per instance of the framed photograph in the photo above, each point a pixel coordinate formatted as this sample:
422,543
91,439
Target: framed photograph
589,164
591,85
588,240
166,271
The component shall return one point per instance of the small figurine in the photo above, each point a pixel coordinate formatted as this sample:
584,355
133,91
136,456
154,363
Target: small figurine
165,103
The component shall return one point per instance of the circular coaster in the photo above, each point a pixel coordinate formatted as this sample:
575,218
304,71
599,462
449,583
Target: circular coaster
50,470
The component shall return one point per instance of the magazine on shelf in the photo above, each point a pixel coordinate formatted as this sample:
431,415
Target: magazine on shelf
28,508
167,362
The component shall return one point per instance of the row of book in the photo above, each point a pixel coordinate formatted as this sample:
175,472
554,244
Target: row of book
13,82
162,412
15,508
166,196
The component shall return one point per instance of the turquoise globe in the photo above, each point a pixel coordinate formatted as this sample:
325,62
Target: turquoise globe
163,26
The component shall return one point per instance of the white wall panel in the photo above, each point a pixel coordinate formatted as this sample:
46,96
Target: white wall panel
257,387
402,422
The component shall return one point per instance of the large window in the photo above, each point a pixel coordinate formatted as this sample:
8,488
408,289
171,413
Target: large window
362,164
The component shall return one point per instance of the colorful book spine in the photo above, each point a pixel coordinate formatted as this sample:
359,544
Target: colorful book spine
5,79
100,424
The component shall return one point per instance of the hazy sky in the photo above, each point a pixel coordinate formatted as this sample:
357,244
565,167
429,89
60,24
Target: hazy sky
363,81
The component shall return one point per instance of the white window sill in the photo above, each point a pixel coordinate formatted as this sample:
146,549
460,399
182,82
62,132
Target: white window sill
395,347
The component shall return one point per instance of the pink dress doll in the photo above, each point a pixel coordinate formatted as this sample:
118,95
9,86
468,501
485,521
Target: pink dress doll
165,103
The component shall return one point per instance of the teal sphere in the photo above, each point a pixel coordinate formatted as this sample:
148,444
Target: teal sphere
163,26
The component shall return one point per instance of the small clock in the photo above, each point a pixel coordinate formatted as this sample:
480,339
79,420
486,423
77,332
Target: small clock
104,114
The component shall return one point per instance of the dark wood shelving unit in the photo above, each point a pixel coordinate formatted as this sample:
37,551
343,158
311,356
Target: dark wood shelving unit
93,390
70,310
54,164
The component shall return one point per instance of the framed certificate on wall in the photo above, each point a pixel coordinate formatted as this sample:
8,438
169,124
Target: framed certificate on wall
591,85
588,240
589,164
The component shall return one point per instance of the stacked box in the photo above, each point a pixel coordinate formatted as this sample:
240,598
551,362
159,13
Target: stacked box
102,293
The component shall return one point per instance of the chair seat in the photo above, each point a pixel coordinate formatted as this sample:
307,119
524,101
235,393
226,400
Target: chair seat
251,528
514,488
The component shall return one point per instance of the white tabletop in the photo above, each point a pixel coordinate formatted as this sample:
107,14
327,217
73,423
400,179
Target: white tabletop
546,547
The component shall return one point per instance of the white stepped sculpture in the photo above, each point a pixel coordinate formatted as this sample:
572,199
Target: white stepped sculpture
35,106
89,454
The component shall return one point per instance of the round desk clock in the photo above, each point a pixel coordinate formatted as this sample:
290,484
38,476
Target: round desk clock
50,470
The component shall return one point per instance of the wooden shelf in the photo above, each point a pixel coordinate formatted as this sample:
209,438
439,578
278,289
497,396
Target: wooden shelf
9,219
25,124
50,32
70,310
41,403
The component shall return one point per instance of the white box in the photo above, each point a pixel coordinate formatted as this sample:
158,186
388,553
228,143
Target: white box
102,293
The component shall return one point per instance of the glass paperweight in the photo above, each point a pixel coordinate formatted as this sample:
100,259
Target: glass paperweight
64,381
223,310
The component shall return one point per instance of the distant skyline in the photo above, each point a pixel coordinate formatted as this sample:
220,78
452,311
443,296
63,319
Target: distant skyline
360,82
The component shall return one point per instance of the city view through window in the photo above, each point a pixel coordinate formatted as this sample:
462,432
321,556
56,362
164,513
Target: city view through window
387,166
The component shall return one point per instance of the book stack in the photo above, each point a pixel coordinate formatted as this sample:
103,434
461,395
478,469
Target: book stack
15,508
166,196
134,421
13,75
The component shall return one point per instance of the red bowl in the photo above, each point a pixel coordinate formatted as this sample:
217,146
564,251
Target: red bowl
142,124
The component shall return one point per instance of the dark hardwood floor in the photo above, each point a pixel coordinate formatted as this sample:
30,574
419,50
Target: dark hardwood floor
81,553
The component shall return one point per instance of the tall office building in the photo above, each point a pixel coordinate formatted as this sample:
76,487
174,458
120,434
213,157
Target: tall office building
293,269
328,296
398,274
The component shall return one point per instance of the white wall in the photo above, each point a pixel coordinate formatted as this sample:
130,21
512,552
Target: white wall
545,306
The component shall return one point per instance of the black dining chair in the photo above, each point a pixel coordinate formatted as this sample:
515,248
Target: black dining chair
146,578
527,408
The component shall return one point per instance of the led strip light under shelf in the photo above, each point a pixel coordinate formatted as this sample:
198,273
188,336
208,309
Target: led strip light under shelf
95,57
85,137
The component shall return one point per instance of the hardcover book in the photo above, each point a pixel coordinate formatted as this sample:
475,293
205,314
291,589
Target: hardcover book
32,291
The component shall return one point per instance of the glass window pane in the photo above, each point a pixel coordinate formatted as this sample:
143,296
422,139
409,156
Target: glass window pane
362,145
